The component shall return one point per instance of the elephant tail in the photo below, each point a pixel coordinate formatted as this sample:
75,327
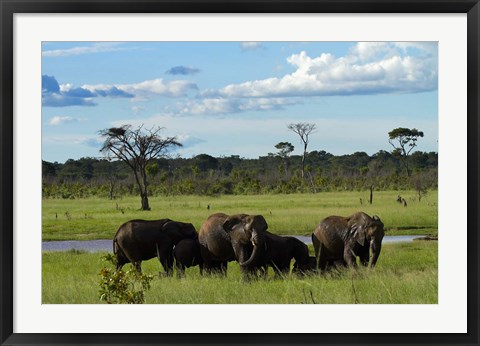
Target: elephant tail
115,246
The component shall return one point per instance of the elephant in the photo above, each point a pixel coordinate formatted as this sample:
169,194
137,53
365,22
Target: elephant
225,238
310,266
277,252
345,238
140,240
187,254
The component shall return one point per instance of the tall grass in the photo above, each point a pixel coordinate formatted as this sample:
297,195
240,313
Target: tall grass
405,274
298,214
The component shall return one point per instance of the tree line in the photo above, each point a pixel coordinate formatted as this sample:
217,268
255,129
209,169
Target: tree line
272,173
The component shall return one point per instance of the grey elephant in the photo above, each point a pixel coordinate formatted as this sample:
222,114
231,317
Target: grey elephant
187,254
225,238
275,251
346,238
141,240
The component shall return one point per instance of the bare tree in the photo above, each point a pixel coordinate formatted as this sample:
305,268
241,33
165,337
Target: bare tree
303,130
136,147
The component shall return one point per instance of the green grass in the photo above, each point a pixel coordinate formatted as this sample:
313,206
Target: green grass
405,274
298,214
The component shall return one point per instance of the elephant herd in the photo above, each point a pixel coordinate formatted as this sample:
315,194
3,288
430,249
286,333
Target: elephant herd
337,241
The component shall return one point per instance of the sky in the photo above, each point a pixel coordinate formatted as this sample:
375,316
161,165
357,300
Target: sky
237,98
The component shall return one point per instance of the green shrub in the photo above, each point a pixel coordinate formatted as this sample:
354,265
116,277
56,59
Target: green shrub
122,287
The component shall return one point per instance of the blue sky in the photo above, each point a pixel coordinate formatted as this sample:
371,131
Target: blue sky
237,98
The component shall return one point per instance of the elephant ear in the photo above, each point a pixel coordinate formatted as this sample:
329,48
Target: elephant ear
256,222
359,233
231,222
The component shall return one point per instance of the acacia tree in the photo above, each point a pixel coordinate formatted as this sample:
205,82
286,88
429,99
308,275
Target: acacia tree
303,130
284,151
403,141
137,148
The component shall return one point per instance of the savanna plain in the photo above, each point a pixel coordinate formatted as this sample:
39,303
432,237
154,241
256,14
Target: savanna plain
406,273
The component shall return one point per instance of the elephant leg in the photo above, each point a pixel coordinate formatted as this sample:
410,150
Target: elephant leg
138,266
364,256
165,256
223,268
214,268
130,256
121,259
321,258
120,262
350,257
167,263
180,269
206,266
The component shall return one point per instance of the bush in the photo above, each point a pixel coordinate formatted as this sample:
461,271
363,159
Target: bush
119,287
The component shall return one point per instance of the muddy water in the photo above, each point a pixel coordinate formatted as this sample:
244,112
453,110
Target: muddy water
106,244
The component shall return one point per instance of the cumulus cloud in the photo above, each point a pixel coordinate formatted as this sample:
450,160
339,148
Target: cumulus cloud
251,45
369,68
219,105
50,84
182,70
59,120
146,89
62,95
91,49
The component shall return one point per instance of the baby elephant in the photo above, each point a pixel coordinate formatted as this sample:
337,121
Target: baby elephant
187,254
277,252
309,267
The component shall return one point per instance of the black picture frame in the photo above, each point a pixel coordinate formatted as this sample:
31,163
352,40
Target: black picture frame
9,7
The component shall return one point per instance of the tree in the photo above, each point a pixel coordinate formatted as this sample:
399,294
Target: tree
284,151
403,141
303,130
137,147
205,162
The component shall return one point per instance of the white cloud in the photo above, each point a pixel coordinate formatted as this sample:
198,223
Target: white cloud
369,68
95,48
59,120
218,105
148,88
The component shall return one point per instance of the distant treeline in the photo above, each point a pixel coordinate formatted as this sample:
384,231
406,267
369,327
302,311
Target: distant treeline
207,175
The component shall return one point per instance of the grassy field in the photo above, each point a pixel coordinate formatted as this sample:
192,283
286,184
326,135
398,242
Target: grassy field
405,274
296,214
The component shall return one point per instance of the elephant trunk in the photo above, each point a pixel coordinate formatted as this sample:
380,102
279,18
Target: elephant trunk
257,251
376,247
